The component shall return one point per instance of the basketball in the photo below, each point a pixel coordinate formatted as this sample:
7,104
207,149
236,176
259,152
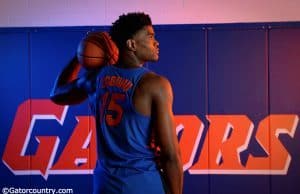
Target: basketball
97,49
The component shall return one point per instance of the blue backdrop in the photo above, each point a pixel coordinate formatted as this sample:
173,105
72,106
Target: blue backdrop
227,78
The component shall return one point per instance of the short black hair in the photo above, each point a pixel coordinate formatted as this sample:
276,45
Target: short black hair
127,25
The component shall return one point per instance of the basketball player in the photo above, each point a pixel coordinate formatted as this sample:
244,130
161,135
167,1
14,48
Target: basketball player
133,110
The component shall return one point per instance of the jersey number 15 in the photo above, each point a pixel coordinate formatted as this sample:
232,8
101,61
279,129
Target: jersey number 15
111,107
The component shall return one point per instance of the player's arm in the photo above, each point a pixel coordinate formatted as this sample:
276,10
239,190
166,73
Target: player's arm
166,137
68,88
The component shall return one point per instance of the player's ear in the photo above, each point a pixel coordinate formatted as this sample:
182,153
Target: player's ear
131,45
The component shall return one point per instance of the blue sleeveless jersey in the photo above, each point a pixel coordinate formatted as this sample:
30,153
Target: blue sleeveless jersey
125,158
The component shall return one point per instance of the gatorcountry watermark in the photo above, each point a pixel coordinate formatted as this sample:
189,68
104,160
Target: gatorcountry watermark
20,190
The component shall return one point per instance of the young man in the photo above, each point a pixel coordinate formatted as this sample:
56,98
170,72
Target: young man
132,108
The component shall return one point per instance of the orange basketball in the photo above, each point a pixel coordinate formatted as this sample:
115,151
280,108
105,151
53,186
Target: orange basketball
97,49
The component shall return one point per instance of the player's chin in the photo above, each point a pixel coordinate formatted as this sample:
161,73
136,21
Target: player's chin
155,58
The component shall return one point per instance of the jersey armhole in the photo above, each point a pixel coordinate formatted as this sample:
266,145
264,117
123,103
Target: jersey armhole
133,91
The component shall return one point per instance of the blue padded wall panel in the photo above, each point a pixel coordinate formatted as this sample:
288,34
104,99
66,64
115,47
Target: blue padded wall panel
237,72
284,70
285,99
237,84
15,88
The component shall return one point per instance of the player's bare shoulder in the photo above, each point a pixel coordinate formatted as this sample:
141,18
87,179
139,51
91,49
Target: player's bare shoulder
156,85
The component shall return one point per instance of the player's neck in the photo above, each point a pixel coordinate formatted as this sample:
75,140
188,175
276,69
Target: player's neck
129,61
